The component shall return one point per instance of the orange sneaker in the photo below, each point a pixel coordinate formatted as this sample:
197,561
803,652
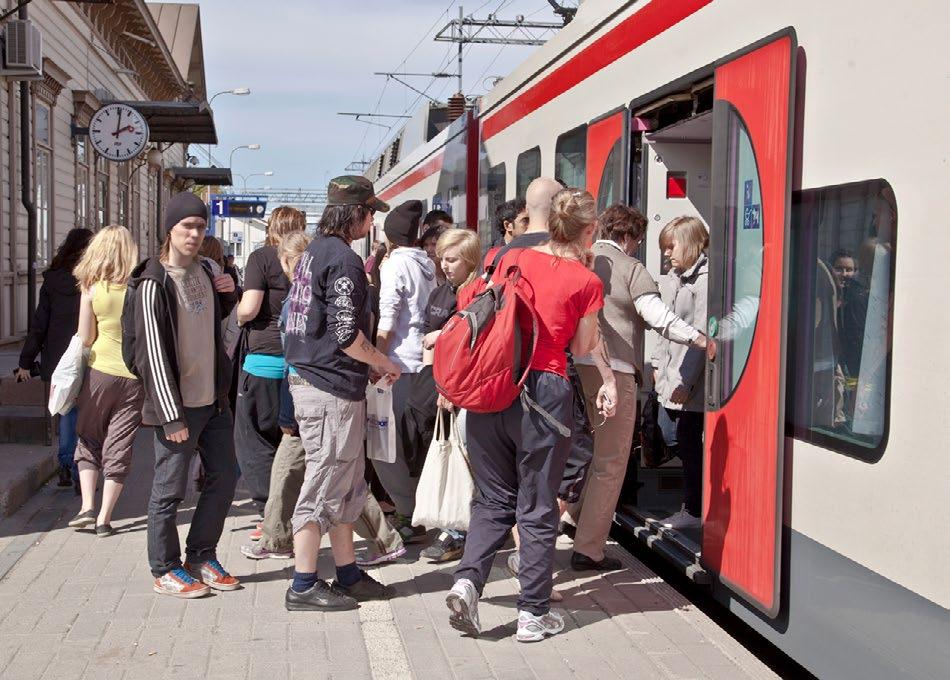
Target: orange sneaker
212,574
179,583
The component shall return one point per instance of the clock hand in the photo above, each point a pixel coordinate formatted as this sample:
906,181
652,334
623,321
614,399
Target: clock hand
118,125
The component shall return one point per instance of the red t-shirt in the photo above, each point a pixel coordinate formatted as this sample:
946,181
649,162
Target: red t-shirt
563,292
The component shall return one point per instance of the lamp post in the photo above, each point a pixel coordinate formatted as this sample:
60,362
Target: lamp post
244,178
240,92
252,147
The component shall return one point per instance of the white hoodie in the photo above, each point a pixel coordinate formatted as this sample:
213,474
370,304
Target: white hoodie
407,280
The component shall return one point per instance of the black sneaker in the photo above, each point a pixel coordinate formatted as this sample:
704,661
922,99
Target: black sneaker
104,530
364,590
320,598
65,478
581,562
445,549
83,519
402,525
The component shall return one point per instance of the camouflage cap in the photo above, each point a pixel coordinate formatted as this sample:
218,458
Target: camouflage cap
354,190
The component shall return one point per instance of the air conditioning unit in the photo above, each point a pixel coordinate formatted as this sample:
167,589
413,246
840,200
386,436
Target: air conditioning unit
22,51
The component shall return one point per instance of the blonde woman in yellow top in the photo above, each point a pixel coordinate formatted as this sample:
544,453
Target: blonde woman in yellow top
111,397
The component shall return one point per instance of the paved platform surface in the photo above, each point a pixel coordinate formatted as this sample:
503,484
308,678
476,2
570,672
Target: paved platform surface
75,606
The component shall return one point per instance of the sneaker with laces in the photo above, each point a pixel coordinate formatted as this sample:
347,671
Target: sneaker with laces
179,583
371,559
212,574
365,590
682,520
319,598
402,525
445,549
462,601
533,628
256,551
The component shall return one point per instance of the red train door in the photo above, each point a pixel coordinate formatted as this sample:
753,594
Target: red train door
745,387
605,158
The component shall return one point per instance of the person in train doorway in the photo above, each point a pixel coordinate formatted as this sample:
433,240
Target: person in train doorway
632,304
407,280
518,455
180,358
433,225
679,370
850,315
327,345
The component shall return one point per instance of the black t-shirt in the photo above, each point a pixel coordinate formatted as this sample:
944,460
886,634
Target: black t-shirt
329,306
441,306
263,272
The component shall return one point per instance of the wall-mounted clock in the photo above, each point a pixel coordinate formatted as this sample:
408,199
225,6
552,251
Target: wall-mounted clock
118,132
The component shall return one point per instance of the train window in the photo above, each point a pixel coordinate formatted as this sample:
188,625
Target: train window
610,189
570,158
527,170
494,196
844,240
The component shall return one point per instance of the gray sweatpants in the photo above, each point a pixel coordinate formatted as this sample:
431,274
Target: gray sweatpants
518,459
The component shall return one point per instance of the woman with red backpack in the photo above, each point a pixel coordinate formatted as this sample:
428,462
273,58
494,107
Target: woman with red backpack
518,453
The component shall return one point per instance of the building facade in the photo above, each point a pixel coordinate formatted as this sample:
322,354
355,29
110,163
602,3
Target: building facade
128,51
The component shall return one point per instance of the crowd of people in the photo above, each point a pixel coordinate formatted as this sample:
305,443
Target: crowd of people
178,344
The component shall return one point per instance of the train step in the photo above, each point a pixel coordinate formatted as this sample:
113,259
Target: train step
674,545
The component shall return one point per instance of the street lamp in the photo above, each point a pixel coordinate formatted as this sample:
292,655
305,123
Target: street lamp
240,92
267,173
252,147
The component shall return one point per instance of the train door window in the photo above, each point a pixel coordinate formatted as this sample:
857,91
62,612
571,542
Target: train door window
494,197
570,158
610,189
527,170
840,323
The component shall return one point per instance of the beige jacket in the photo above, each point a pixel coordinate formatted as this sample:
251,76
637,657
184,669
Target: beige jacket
675,364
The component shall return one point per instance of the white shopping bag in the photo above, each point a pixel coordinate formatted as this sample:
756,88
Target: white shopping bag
67,378
444,493
380,424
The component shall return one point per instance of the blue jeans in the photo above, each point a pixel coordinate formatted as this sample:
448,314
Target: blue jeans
683,433
68,440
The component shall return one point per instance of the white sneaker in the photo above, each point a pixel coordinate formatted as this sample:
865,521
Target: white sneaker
682,520
462,601
532,628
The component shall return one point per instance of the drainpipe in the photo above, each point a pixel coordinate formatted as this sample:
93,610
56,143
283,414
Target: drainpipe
26,192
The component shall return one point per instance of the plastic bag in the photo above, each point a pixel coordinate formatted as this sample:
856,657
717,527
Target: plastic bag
446,486
67,378
380,424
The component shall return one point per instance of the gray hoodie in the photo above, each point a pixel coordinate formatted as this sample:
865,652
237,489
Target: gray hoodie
676,365
407,280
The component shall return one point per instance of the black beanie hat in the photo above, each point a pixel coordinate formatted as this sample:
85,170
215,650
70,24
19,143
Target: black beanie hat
182,206
402,224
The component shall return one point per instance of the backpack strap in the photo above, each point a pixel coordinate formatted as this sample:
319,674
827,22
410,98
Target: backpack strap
528,403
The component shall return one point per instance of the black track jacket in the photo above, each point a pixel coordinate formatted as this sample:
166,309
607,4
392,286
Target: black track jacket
156,348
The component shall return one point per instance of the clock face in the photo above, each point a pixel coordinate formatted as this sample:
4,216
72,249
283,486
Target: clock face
118,132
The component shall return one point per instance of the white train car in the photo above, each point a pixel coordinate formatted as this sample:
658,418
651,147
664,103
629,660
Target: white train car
776,123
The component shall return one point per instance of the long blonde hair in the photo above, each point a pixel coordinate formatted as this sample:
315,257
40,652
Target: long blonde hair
110,256
290,249
469,251
692,236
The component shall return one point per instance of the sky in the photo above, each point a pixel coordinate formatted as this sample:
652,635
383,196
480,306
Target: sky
306,60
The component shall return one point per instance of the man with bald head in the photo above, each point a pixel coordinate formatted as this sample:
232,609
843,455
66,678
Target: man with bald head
538,200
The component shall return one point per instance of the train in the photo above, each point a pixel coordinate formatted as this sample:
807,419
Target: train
806,135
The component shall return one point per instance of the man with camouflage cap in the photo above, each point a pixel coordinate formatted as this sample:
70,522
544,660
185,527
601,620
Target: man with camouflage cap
328,348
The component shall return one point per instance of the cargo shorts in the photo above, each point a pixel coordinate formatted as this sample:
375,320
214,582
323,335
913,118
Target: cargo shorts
332,431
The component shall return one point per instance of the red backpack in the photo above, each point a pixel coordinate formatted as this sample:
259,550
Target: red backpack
481,357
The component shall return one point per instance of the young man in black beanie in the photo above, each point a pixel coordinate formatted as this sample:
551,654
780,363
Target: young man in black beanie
180,357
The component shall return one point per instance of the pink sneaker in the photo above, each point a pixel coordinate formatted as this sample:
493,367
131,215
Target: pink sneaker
257,534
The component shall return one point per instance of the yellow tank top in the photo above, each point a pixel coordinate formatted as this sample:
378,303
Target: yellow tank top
106,353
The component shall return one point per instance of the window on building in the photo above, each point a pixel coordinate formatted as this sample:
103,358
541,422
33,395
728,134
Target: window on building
44,181
102,191
570,158
844,245
82,183
527,170
125,196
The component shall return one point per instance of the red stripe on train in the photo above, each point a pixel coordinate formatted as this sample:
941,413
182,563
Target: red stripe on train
628,35
428,168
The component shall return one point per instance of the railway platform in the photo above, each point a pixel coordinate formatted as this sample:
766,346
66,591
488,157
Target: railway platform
76,606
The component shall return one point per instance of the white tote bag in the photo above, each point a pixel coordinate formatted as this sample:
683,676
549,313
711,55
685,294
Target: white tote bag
444,493
67,378
380,424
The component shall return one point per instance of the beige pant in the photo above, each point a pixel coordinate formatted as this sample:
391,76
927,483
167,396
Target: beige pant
612,440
